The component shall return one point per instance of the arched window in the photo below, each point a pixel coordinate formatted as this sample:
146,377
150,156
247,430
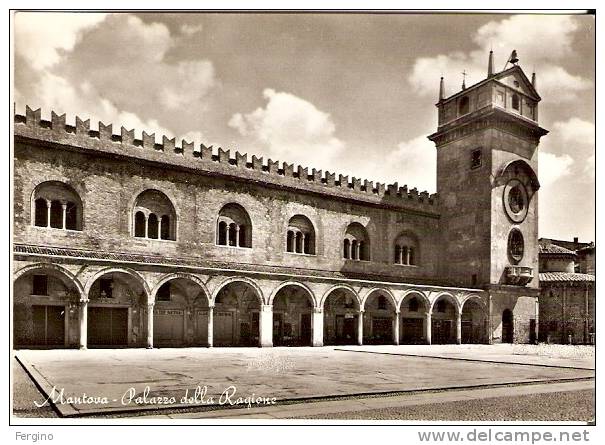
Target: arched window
347,249
152,226
154,216
300,235
515,102
165,227
58,206
139,224
382,302
463,106
233,227
406,250
356,244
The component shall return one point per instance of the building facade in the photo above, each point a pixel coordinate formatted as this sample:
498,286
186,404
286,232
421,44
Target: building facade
567,292
124,242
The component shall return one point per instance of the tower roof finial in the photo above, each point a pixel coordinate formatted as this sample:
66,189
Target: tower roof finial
512,59
464,79
441,90
490,64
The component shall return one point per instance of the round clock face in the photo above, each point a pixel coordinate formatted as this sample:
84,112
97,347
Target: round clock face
516,201
516,245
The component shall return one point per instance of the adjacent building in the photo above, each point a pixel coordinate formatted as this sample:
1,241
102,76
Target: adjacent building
567,292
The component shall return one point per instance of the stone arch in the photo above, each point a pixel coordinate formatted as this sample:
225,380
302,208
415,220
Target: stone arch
416,293
357,243
296,284
342,318
473,320
299,225
139,190
56,191
153,202
406,249
233,217
413,318
452,299
45,310
293,305
125,270
507,171
184,276
258,291
387,292
336,287
380,311
64,273
181,318
475,298
444,323
237,305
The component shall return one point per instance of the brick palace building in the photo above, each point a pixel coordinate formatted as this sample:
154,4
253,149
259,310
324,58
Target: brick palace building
124,242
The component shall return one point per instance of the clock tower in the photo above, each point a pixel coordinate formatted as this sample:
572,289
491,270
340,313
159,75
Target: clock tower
487,164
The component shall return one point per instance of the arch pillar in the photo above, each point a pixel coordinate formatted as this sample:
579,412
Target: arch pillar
396,328
360,328
427,327
266,325
458,327
150,326
210,326
48,212
83,324
317,327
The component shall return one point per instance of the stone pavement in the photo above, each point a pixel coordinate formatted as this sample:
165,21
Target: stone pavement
107,381
319,408
581,357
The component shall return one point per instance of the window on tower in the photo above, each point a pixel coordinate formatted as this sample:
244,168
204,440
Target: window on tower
476,158
463,106
515,245
515,102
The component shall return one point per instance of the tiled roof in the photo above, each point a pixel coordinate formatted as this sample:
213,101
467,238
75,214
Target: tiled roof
554,249
565,276
189,262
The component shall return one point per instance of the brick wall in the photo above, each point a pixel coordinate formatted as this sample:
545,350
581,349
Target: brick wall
109,186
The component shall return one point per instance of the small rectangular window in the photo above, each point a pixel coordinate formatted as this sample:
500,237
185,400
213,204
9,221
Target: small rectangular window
40,285
476,158
474,279
106,287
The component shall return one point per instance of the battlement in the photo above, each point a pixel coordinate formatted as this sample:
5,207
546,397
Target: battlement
207,160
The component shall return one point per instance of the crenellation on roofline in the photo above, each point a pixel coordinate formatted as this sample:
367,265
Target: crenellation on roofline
201,158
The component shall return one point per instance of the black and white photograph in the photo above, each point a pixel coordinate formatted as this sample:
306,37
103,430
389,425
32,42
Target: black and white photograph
311,217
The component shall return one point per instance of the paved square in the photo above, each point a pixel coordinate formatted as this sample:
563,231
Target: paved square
283,373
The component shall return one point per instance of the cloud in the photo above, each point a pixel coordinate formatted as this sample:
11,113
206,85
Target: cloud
524,33
527,34
412,163
574,137
553,168
290,129
56,93
41,37
190,30
576,131
114,69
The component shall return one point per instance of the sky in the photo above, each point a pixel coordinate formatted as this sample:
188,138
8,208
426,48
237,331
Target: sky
348,93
